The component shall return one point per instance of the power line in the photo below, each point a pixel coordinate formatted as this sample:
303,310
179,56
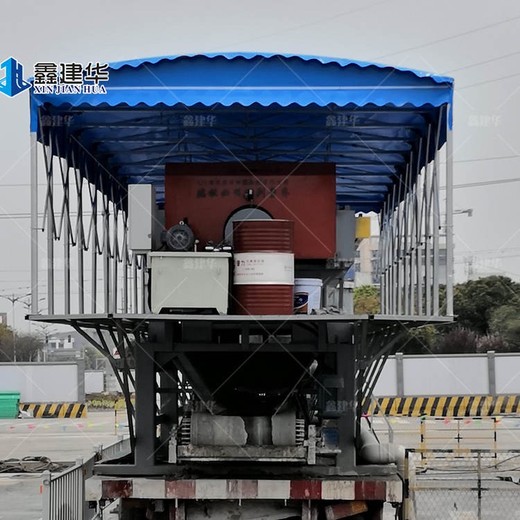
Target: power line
492,60
496,158
448,38
484,183
489,81
484,252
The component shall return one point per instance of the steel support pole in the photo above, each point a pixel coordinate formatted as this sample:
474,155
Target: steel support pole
66,234
34,223
382,260
135,284
80,238
145,419
422,235
436,233
144,291
94,246
413,247
399,252
428,238
393,254
406,236
125,264
106,257
449,215
346,401
415,236
50,235
436,221
169,403
115,260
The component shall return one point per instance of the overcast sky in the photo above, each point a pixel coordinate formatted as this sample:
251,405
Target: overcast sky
476,42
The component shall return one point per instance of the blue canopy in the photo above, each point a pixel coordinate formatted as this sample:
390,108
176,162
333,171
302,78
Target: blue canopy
370,120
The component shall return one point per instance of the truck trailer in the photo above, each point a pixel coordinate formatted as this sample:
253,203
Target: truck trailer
206,207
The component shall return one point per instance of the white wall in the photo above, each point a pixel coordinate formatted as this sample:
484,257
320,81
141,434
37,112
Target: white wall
41,383
451,375
507,370
94,381
445,375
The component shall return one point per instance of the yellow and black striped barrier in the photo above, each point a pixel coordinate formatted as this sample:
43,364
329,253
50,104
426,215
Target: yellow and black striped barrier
446,406
55,410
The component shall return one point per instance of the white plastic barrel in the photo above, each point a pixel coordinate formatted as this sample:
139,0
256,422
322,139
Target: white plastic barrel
307,295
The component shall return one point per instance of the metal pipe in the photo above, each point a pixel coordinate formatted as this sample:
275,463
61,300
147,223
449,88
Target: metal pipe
64,170
435,216
125,264
34,223
144,292
449,215
80,237
115,258
106,255
50,230
380,453
436,238
399,252
94,252
428,238
413,247
393,254
420,233
382,266
405,239
135,283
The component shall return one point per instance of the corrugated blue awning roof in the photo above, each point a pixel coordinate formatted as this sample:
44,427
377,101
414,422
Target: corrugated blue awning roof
369,119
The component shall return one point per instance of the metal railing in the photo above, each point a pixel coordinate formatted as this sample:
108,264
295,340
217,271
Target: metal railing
63,494
119,449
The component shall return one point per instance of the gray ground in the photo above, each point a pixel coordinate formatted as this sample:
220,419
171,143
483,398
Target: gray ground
64,440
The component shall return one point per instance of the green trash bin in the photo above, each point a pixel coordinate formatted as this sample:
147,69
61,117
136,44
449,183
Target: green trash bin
9,404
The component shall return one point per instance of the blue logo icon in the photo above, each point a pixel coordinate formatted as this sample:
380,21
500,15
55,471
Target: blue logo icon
12,82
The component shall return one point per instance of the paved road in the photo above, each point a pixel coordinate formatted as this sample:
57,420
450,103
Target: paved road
64,440
61,440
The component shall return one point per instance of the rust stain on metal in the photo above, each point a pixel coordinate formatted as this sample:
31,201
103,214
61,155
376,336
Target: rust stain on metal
180,489
116,488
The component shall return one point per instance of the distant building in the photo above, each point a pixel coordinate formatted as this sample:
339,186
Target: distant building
61,341
366,264
366,268
64,345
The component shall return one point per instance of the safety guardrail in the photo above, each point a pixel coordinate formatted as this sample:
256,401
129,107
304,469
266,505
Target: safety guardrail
63,494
